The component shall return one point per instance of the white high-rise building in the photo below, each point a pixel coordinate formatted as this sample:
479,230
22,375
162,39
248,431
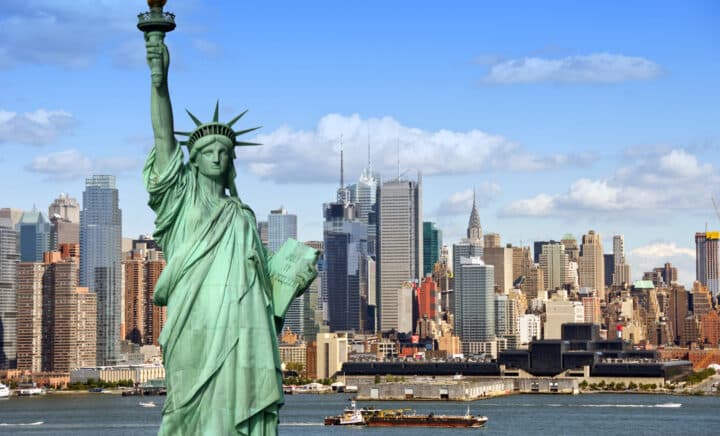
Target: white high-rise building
400,244
559,311
9,258
529,326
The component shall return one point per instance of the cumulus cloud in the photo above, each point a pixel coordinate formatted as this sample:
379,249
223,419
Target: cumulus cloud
289,155
39,127
664,182
656,254
72,164
460,203
592,68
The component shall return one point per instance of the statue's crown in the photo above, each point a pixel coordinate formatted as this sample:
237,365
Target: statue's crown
215,127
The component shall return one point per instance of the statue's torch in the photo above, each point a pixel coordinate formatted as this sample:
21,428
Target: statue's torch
155,24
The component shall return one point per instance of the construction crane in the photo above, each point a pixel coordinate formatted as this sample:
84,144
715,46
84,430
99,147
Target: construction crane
715,205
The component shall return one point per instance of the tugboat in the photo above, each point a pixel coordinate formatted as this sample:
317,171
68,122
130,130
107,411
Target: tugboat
350,416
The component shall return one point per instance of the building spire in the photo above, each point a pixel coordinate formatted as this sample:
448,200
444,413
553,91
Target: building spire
342,170
369,164
474,230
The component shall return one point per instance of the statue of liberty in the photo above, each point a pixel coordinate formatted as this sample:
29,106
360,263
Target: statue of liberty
226,297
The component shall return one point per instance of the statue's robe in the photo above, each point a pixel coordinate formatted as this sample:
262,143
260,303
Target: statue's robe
219,342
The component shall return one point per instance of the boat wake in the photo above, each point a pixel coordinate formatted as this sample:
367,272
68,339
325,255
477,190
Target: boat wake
20,424
300,424
662,405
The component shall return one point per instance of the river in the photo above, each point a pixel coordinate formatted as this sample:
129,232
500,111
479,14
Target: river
591,414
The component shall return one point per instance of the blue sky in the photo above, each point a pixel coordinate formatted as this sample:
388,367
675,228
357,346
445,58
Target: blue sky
565,116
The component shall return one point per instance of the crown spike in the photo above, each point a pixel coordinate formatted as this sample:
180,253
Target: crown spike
183,133
217,111
234,120
194,118
240,143
242,132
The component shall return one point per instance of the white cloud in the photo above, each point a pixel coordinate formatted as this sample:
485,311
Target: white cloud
593,68
683,164
72,164
39,127
460,203
308,156
656,254
656,184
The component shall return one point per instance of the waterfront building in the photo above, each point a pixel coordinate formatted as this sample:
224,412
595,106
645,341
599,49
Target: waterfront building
432,241
9,258
559,311
142,269
400,244
331,352
139,374
591,265
477,311
554,264
529,326
100,261
35,236
707,260
30,321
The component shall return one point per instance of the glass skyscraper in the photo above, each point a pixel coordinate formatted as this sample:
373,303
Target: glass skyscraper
432,241
8,289
345,258
35,236
100,257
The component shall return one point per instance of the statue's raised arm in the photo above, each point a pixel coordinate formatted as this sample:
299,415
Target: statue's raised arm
158,58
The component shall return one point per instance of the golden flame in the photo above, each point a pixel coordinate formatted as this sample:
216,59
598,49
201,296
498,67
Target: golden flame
156,3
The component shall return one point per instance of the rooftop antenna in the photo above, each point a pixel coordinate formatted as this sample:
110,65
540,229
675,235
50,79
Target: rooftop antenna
398,159
369,165
342,174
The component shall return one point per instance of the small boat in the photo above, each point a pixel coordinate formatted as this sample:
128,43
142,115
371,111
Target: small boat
147,404
350,416
30,389
4,391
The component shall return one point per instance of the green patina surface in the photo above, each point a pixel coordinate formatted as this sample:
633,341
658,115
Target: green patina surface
226,297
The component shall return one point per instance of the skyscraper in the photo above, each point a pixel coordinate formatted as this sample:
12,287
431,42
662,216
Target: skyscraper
363,195
554,264
30,322
591,266
400,244
9,257
345,255
281,227
432,241
35,237
143,320
477,311
502,259
621,270
469,247
65,207
707,260
101,255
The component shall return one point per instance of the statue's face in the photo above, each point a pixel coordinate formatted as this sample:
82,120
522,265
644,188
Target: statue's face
213,157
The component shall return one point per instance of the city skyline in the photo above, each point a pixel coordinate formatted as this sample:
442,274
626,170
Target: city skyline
570,119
